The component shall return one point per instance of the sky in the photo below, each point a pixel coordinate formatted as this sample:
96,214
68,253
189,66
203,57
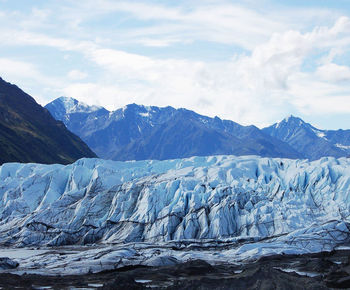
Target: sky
253,62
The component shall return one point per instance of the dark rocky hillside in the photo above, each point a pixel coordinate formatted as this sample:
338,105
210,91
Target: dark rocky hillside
28,132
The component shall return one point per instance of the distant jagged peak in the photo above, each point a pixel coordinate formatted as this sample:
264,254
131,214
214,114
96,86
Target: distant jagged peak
137,107
144,111
68,103
71,105
294,123
290,120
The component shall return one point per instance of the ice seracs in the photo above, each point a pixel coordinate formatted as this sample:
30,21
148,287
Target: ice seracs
149,212
198,198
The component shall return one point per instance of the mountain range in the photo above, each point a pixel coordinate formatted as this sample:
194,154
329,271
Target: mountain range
137,132
28,132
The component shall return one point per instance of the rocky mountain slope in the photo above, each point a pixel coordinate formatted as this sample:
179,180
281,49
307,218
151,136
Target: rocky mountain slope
139,132
313,143
28,133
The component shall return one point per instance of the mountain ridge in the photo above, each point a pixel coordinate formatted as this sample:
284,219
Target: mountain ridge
149,132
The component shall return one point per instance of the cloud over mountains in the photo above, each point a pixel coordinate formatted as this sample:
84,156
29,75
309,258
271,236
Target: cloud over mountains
249,62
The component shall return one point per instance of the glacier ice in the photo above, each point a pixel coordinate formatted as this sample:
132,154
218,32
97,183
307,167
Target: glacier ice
242,207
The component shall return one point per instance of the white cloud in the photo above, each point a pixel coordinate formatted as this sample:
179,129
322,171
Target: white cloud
216,21
120,61
77,75
29,78
259,86
12,68
313,97
333,72
223,23
36,19
15,70
164,42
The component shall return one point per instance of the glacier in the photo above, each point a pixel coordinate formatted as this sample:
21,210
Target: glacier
110,214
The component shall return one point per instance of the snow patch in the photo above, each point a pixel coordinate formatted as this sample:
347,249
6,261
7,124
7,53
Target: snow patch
319,133
74,106
300,273
145,115
345,147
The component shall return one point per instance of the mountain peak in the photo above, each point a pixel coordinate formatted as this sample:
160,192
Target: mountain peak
136,107
67,102
292,118
68,105
290,121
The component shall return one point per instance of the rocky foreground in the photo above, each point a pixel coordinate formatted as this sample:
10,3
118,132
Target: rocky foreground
310,271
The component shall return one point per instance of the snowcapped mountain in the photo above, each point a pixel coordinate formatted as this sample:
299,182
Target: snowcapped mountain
141,132
289,205
310,141
68,105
